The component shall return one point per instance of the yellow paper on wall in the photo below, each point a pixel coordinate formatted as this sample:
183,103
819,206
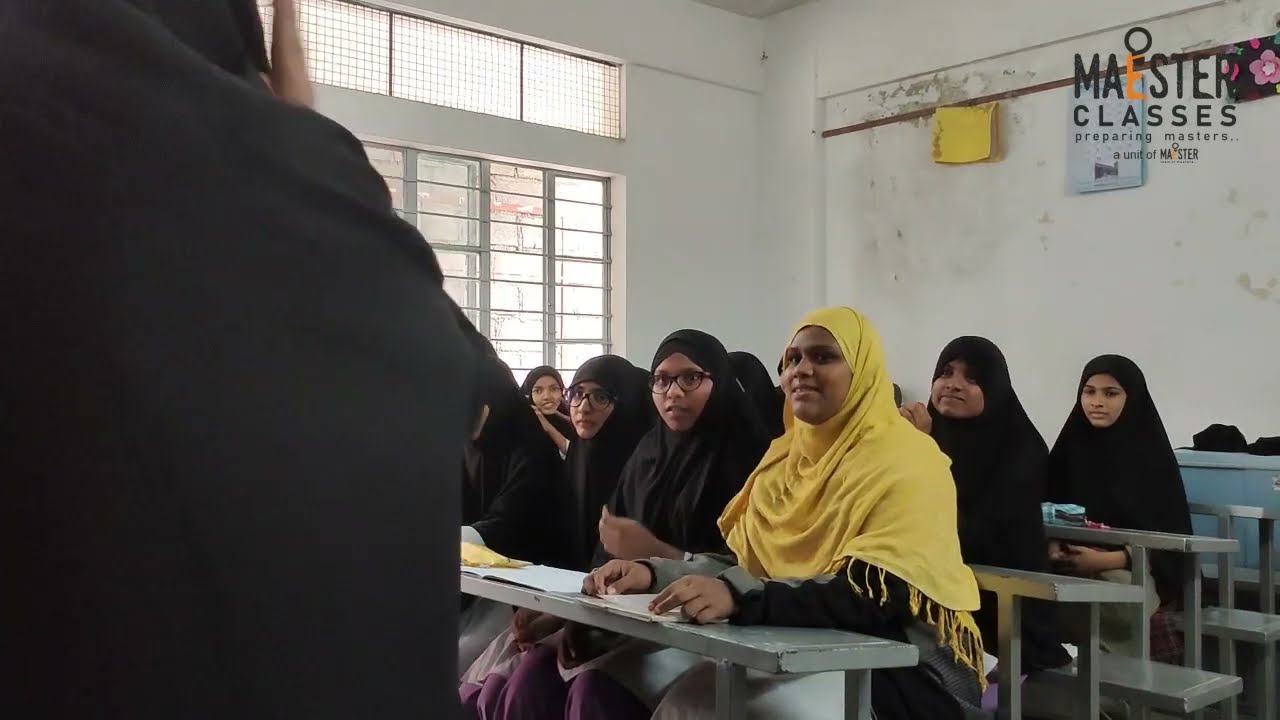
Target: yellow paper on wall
479,556
966,134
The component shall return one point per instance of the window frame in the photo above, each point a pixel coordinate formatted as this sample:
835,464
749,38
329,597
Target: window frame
483,311
608,120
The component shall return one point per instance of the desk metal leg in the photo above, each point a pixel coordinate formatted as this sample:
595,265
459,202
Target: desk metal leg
1267,697
731,691
1088,698
857,695
1192,637
1008,672
1267,565
1230,707
1141,557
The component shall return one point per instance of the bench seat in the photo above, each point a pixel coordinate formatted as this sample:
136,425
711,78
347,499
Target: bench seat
1241,625
1150,684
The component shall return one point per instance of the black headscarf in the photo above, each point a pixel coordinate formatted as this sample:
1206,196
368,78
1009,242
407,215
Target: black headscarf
676,484
760,387
1126,475
229,393
999,461
564,426
509,471
592,466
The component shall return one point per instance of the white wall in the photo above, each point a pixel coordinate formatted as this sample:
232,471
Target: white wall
686,188
1182,275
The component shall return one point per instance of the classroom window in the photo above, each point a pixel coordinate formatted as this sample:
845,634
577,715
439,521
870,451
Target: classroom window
524,250
366,48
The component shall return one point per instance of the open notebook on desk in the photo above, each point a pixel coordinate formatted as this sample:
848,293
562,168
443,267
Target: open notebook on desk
534,577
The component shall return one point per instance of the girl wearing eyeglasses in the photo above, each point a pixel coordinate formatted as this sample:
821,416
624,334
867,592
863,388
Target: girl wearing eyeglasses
609,403
669,496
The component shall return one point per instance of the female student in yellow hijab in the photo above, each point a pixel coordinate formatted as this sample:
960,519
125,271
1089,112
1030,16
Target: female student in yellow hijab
861,508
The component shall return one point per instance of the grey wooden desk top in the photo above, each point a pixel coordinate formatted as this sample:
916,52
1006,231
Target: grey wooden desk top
768,649
1248,512
1059,588
1141,538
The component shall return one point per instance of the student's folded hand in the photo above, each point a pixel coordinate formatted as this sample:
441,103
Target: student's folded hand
618,577
701,599
529,627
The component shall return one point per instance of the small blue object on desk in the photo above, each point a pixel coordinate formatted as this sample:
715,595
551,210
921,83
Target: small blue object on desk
1058,514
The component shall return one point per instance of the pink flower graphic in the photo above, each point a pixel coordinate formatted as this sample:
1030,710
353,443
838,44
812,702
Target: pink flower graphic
1266,69
1228,66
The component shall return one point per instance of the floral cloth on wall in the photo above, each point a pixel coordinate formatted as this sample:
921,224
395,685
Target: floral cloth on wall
1253,69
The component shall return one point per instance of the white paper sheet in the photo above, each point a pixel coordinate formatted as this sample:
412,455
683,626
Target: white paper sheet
634,606
536,577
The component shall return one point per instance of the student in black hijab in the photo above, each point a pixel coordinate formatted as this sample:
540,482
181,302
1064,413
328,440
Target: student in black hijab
509,472
611,409
669,498
223,419
1114,458
763,391
999,461
691,463
544,389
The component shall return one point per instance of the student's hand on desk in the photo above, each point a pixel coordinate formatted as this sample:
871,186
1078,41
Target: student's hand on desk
701,599
919,416
626,538
1082,560
618,577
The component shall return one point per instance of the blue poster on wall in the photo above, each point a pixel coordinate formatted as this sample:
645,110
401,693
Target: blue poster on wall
1106,141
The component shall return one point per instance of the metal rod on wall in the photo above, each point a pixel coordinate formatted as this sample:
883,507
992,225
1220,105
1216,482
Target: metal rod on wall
994,97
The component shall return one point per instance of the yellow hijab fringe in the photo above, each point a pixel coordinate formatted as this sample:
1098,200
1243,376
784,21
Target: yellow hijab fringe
956,629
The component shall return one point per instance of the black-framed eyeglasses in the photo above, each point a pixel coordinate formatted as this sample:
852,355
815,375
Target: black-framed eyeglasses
599,397
689,381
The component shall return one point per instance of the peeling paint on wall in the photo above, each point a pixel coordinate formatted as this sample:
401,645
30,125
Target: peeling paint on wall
1263,291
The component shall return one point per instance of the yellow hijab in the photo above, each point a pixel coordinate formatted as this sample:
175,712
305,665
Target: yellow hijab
864,485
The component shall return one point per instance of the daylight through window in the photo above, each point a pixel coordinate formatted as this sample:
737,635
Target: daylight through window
366,48
525,251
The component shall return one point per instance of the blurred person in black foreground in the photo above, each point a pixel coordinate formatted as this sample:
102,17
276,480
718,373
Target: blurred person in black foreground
221,411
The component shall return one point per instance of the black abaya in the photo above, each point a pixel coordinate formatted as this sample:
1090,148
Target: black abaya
592,466
509,472
231,380
999,461
1126,475
676,484
760,387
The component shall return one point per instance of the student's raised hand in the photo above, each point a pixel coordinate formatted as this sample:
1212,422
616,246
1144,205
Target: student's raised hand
701,599
618,577
542,419
288,78
627,539
919,416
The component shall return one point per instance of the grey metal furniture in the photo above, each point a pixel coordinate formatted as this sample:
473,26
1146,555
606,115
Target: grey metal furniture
1140,544
778,651
1010,588
1230,625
